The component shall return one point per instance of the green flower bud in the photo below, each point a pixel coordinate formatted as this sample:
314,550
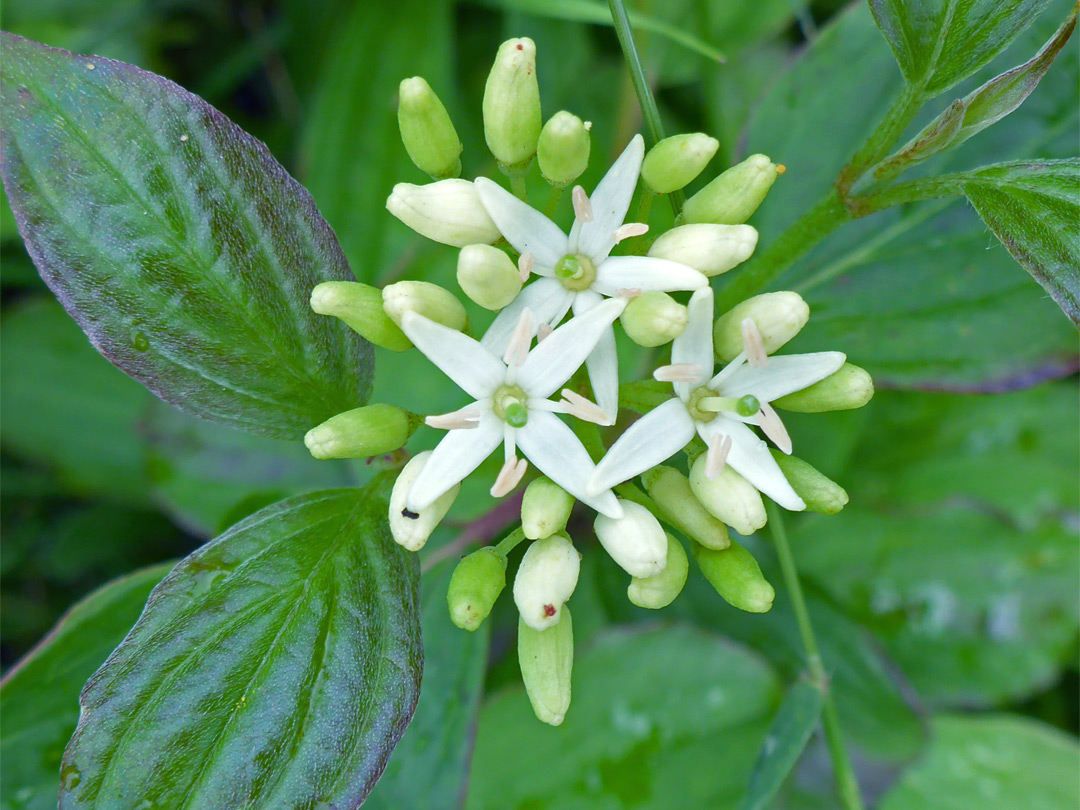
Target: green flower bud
430,300
736,576
361,432
729,497
653,319
448,211
778,316
671,491
427,131
843,390
547,662
512,104
712,249
732,197
545,509
660,591
360,306
488,276
563,149
409,528
675,162
636,541
818,491
545,579
475,585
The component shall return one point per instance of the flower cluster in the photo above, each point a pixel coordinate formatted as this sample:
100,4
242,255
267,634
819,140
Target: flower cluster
558,295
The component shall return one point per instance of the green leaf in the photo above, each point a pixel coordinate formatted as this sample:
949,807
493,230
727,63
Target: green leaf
998,760
790,731
276,666
430,766
939,42
649,708
66,407
178,243
39,698
1033,207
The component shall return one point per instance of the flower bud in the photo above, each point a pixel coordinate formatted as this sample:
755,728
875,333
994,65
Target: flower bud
512,104
660,591
729,497
636,541
545,579
427,131
360,306
818,491
475,585
778,316
361,432
732,197
736,576
671,491
843,390
653,319
545,509
547,662
563,149
675,162
410,528
488,276
448,211
712,249
430,300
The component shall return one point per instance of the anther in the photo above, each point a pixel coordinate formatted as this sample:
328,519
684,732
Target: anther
583,408
753,345
680,372
543,331
509,477
517,349
769,422
719,447
628,292
582,206
629,230
463,419
525,266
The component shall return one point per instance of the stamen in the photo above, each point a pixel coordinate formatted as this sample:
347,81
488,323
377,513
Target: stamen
753,345
582,206
517,349
583,408
629,230
769,422
463,419
719,447
509,477
525,266
680,372
543,331
628,292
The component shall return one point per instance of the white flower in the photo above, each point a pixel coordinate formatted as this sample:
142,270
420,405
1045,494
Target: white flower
511,406
719,410
578,270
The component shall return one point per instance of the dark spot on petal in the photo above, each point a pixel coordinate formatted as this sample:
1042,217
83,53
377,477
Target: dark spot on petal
409,515
549,610
520,47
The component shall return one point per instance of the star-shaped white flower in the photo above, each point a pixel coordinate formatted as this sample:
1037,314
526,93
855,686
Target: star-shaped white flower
512,407
578,270
719,409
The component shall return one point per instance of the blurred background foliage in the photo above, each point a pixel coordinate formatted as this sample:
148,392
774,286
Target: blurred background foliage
945,595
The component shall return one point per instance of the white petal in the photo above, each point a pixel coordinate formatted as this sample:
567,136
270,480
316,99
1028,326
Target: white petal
586,300
551,363
750,457
458,454
603,366
521,225
472,367
610,202
644,273
695,345
554,450
651,440
546,298
781,375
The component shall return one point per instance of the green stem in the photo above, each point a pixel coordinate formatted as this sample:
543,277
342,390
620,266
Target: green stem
927,188
644,205
846,783
553,201
511,541
517,185
654,127
892,126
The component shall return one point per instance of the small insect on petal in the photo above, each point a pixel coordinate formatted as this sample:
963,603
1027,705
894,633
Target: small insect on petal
582,207
719,448
680,372
509,476
769,421
753,345
583,408
463,419
525,266
518,347
629,230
